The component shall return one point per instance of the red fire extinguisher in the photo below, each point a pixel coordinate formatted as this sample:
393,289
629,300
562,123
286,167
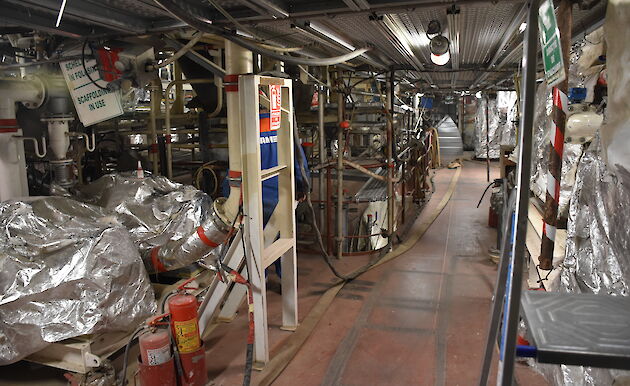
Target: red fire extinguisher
156,364
185,330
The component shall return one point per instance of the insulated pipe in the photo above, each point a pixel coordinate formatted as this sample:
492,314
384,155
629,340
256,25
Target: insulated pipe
237,61
155,88
340,148
322,151
167,119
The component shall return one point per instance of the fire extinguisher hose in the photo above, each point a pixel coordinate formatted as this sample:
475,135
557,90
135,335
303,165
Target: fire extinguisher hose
123,375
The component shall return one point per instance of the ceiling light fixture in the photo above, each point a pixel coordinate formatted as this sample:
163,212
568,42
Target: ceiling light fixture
440,60
332,35
522,27
478,95
61,9
439,48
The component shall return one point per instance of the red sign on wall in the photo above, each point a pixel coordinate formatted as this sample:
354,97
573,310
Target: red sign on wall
275,103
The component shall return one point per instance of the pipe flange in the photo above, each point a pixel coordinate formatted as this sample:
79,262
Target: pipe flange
41,92
219,212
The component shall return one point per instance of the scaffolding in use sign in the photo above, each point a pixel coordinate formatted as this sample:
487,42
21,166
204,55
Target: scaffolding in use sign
94,104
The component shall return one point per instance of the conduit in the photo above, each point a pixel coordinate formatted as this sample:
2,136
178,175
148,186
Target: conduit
293,344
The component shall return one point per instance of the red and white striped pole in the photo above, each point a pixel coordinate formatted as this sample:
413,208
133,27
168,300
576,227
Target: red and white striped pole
556,139
550,218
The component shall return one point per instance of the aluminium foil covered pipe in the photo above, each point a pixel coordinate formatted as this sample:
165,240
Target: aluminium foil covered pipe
173,225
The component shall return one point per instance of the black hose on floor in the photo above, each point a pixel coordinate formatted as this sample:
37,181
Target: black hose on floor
318,234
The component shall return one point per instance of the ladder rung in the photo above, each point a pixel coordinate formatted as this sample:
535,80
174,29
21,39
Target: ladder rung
266,174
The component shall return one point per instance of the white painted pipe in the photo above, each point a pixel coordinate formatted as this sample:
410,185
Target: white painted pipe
59,139
237,61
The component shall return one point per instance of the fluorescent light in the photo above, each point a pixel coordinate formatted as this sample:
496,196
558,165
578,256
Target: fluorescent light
244,34
63,7
440,60
330,34
522,27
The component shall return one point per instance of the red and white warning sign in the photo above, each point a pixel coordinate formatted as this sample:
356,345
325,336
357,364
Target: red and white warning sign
275,104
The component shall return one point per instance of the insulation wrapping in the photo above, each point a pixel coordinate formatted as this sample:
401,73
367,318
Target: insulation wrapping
543,125
65,270
501,124
506,104
481,138
162,216
616,132
596,260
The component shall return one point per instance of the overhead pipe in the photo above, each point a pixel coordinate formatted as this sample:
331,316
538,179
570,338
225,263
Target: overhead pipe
205,25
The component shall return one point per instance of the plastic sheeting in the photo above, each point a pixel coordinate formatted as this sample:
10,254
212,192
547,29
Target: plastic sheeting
159,213
65,271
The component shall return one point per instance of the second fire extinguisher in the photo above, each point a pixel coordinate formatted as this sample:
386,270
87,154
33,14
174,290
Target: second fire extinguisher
185,328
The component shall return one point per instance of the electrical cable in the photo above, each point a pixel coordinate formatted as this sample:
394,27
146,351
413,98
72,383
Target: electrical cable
85,68
484,193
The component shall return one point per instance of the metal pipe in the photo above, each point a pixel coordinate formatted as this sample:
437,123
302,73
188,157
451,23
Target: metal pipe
237,61
155,89
389,156
322,149
167,119
487,142
513,300
340,149
556,147
180,52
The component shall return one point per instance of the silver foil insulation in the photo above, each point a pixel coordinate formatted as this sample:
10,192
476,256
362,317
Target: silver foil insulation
65,271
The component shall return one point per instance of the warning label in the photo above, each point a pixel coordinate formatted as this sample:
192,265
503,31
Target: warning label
275,103
187,336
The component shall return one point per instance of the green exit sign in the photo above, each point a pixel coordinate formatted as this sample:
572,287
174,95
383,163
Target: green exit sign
550,41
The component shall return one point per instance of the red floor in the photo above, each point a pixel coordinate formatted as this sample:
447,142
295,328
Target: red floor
418,320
